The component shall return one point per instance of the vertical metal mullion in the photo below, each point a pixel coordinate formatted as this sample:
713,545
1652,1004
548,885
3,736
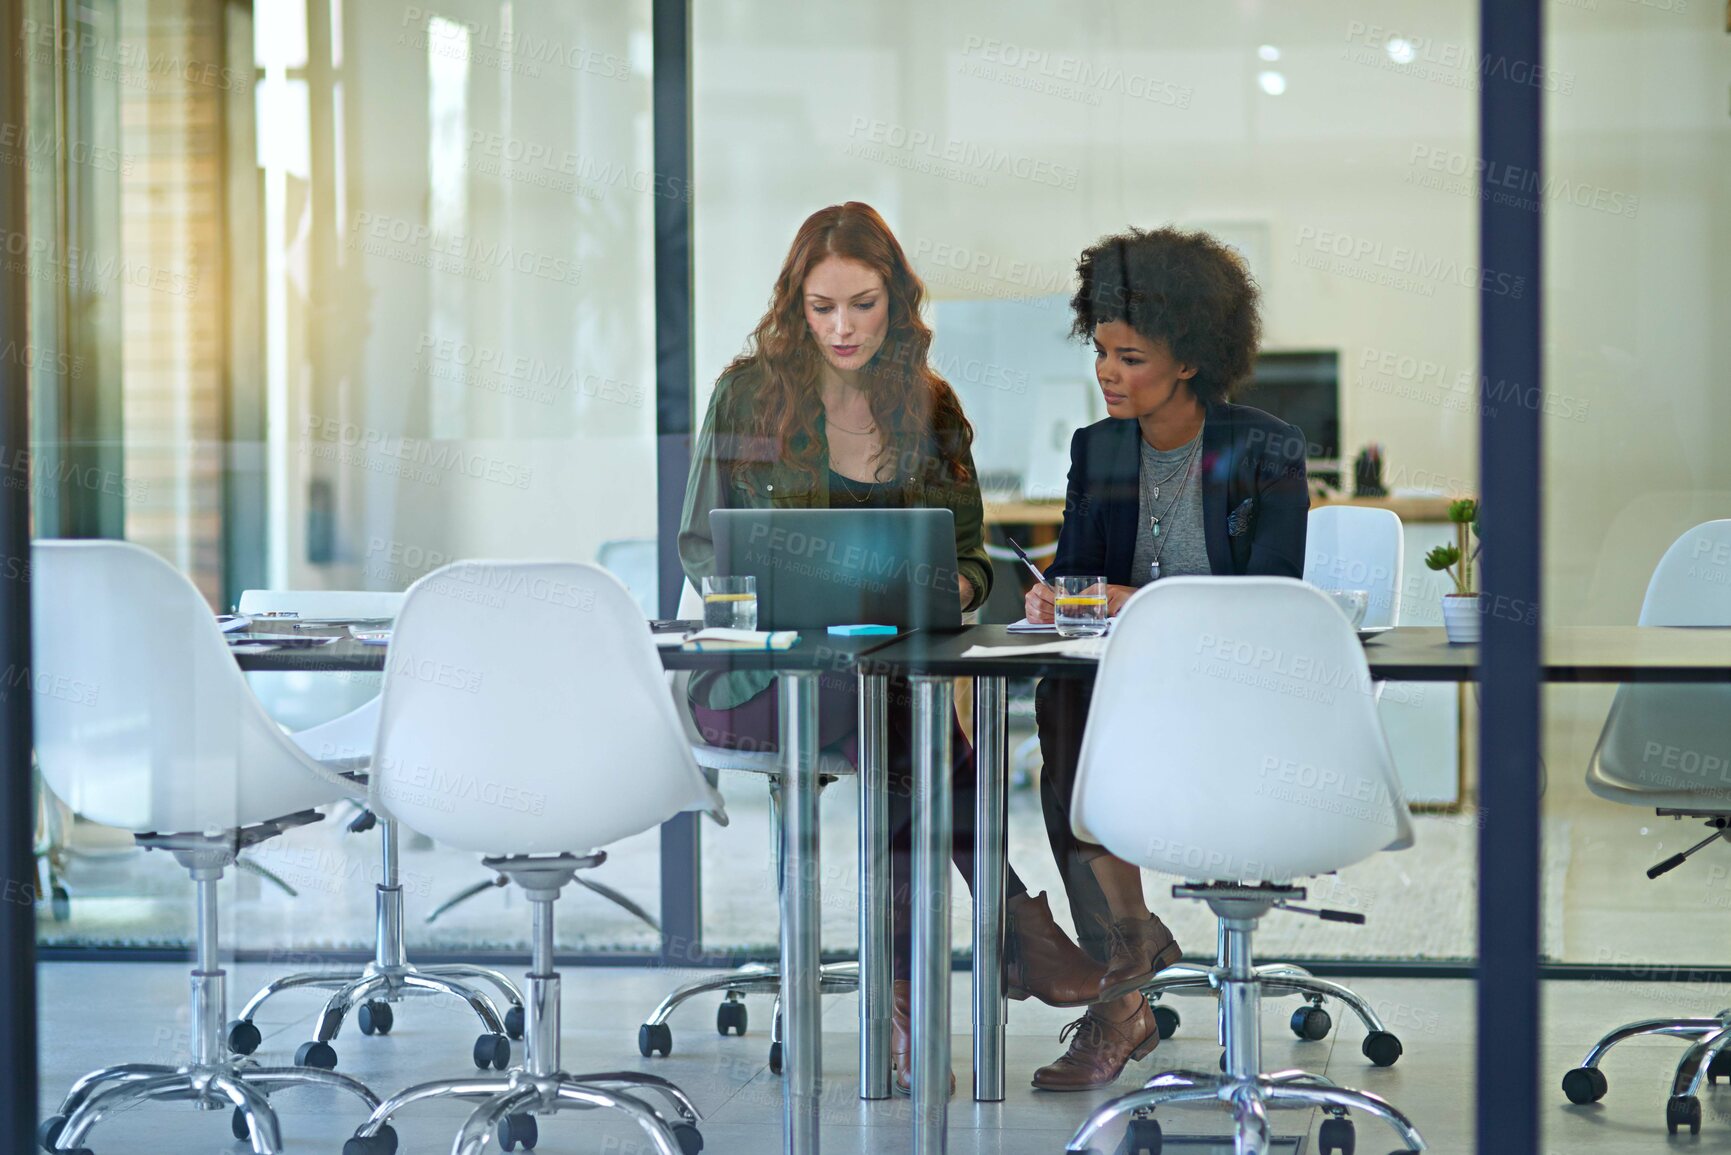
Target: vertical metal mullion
18,1104
670,30
246,472
1510,342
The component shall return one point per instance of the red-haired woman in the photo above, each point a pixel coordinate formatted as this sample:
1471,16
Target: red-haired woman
833,406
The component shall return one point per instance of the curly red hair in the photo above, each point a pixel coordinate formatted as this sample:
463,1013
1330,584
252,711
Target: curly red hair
925,429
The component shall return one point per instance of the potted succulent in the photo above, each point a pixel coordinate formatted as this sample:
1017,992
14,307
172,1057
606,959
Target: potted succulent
1461,608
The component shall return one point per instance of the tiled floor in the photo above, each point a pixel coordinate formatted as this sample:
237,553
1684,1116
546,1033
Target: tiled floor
98,1013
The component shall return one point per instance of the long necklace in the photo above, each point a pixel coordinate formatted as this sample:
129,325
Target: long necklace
831,422
1154,518
1155,496
828,420
847,485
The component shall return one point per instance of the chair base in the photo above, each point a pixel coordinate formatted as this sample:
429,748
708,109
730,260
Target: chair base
656,1037
209,1080
390,978
1707,1058
211,1086
507,1100
1251,1099
1311,1023
510,1102
1243,1086
392,984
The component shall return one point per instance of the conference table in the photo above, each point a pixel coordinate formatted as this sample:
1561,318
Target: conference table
798,671
930,661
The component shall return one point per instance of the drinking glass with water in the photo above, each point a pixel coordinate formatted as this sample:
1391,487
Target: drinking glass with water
730,602
1079,607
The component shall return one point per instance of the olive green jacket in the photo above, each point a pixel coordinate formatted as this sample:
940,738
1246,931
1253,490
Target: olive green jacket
770,483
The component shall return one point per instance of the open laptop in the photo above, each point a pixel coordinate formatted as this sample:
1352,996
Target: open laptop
817,568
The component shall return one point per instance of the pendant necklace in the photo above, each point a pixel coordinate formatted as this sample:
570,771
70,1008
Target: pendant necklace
1154,518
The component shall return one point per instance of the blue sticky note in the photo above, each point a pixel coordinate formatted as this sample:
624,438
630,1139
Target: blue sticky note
856,631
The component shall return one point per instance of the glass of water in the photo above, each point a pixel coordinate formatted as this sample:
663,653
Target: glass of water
1079,606
730,602
1352,603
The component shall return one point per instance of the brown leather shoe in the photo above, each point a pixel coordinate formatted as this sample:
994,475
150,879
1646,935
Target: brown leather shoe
901,1039
1140,948
1041,960
1099,1048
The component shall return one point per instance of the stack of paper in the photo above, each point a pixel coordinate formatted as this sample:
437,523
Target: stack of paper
717,638
1024,626
1092,648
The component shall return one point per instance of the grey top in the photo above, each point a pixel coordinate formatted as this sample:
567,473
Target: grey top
1180,545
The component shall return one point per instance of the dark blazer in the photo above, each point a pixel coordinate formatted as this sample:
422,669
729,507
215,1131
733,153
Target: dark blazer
1255,498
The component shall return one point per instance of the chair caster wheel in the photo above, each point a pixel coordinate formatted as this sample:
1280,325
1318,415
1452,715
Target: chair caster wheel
518,1131
514,1021
1719,1068
243,1037
384,1143
775,1058
1381,1048
1311,1023
1336,1136
1142,1137
1683,1111
315,1054
653,1037
1166,1019
689,1137
238,1126
60,904
730,1016
48,1132
376,1018
1585,1085
492,1051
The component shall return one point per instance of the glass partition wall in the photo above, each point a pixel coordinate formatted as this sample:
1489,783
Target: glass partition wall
1637,238
348,291
1333,147
326,294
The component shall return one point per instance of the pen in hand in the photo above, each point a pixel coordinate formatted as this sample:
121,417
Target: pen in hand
1026,560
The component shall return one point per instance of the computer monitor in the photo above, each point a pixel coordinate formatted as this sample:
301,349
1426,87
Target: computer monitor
1301,387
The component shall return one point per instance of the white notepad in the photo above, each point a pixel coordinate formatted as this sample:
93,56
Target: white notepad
1087,648
1024,626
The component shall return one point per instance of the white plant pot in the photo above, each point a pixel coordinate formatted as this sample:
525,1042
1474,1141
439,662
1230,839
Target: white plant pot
1461,618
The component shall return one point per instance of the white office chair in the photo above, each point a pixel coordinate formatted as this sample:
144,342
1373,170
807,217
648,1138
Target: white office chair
390,978
1664,747
1271,766
655,1036
1346,547
144,722
558,739
1355,547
